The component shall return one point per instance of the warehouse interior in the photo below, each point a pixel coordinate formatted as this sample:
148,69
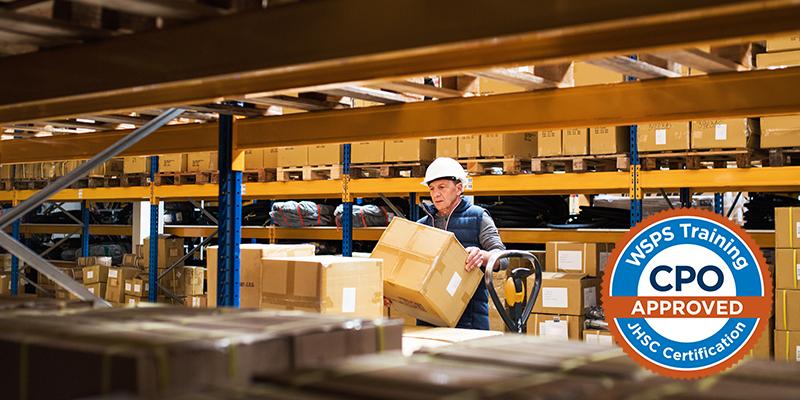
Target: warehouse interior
218,199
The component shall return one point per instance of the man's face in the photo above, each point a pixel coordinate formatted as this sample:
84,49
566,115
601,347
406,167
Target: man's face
445,192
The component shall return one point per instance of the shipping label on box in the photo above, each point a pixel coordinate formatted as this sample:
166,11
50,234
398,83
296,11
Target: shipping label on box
575,142
780,131
549,143
447,147
566,293
367,152
424,272
324,284
97,289
250,269
564,327
469,146
787,310
664,135
787,227
325,154
609,139
597,336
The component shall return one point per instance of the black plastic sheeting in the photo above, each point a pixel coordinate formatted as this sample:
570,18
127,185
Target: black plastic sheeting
760,209
525,211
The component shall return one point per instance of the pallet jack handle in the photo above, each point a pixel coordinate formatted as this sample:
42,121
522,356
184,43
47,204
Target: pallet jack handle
518,307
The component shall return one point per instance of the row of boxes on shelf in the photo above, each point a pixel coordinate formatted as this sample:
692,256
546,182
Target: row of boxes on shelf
55,169
787,283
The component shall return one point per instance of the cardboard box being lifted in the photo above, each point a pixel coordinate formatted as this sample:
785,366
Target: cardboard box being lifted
423,272
324,284
250,255
566,293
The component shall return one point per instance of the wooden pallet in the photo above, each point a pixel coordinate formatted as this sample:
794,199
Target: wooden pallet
784,156
696,159
389,170
97,182
135,179
511,165
28,184
259,175
599,163
309,173
182,178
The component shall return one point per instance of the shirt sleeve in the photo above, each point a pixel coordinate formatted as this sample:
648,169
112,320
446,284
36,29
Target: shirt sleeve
489,238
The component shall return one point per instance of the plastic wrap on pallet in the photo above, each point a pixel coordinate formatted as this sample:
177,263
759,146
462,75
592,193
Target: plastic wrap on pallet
296,214
365,216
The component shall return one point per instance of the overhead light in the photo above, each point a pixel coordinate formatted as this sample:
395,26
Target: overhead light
43,134
6,137
85,121
126,126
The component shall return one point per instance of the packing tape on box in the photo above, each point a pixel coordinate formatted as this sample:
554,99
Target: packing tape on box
794,264
785,319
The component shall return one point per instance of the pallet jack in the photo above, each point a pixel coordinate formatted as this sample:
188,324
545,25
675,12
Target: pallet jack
518,306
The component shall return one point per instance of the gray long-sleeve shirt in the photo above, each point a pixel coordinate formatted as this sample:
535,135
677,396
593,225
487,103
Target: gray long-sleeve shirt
489,237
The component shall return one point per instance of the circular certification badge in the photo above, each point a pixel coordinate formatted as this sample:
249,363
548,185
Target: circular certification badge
687,293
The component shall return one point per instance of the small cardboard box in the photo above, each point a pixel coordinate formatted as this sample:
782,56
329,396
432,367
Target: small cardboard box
509,144
783,43
136,287
783,59
787,346
663,136
780,131
575,142
412,150
6,171
115,293
94,260
469,146
564,327
325,154
588,258
254,159
787,310
609,139
739,133
185,281
566,293
133,300
176,162
295,156
95,274
199,301
367,152
787,268
202,161
324,284
787,227
597,336
423,272
549,143
170,250
447,147
97,289
250,255
136,165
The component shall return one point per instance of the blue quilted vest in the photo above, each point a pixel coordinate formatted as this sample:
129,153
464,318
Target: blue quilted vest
465,223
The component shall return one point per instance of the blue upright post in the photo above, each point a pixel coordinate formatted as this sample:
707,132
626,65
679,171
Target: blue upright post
254,240
413,208
85,229
230,217
153,250
686,198
635,169
347,204
14,260
719,204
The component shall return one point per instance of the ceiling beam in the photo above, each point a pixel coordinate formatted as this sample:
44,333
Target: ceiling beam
159,8
208,60
726,95
636,68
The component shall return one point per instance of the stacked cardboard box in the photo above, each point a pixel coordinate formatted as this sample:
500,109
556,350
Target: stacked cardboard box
587,258
524,145
563,297
423,272
325,154
294,156
469,146
95,278
550,143
202,161
184,281
732,133
94,260
170,250
787,284
664,136
410,150
598,336
176,162
784,130
115,287
136,165
112,167
369,152
265,158
136,289
447,147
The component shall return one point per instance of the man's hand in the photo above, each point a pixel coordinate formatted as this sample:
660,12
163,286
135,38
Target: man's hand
474,258
387,302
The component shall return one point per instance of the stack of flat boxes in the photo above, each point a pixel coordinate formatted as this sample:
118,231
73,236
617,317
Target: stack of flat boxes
784,130
787,284
184,282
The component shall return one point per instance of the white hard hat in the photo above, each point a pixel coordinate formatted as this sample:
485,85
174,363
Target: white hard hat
444,167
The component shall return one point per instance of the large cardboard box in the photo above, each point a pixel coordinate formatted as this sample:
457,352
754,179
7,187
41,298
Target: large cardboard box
98,289
588,74
185,281
136,165
367,152
250,256
509,144
575,142
170,250
138,287
783,43
295,156
202,161
112,167
549,143
736,133
764,347
566,293
423,272
115,289
787,310
787,227
597,336
254,159
780,131
564,327
587,258
787,346
325,154
469,146
271,157
663,136
781,59
447,147
95,274
323,284
787,268
172,162
411,150
609,139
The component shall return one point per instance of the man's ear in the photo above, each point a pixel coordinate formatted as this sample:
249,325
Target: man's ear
460,187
